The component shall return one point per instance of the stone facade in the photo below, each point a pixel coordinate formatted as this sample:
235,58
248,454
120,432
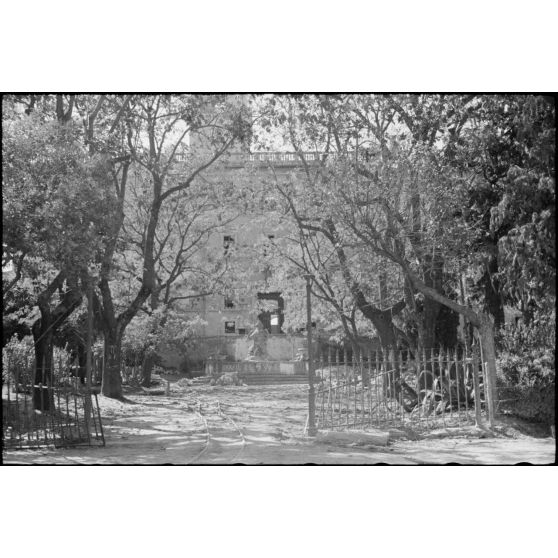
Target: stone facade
226,321
230,348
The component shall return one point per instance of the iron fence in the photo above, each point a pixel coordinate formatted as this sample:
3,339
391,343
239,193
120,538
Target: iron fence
60,412
130,367
429,388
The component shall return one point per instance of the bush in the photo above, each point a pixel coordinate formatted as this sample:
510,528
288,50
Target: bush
526,371
184,367
191,368
18,359
529,381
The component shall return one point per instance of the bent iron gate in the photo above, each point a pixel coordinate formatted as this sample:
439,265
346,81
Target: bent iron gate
430,388
61,412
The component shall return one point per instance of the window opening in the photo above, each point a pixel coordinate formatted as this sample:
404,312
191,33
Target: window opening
228,243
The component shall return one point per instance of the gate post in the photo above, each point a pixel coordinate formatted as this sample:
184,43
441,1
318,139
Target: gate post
311,394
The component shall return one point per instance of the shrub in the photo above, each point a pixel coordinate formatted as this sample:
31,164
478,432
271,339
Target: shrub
529,382
18,359
526,370
192,368
184,367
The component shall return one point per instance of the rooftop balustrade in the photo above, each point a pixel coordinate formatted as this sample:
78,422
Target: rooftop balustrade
265,158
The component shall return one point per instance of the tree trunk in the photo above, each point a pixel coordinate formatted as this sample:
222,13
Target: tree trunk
425,330
493,300
432,269
447,325
149,355
43,332
488,345
82,361
147,368
481,321
381,319
111,385
42,335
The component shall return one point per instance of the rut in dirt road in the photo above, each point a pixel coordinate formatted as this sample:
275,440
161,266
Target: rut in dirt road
225,441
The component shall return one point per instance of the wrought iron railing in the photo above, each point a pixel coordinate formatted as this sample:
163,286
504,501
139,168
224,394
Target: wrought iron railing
63,411
430,389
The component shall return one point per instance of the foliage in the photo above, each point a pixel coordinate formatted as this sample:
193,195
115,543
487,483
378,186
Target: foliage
444,185
17,354
18,312
412,194
510,148
55,199
147,333
526,368
380,197
112,180
18,350
57,207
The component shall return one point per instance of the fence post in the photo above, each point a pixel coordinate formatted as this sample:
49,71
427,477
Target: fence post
476,387
417,380
464,371
363,384
330,392
87,396
458,382
429,389
8,409
401,380
392,389
378,392
337,387
448,379
488,394
311,401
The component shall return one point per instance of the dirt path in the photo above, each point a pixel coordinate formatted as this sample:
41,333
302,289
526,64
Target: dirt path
253,425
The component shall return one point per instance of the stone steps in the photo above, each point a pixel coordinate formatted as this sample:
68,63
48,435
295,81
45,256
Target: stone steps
273,379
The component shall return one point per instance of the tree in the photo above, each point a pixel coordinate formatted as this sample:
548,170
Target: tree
395,183
512,202
340,279
183,268
53,212
411,207
309,124
400,206
117,136
154,129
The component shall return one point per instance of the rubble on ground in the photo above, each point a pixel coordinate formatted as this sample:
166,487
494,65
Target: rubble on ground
227,379
374,438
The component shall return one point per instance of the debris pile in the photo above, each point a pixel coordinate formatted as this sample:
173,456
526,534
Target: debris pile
227,379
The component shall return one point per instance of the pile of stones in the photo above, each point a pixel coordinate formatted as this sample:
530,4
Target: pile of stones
227,379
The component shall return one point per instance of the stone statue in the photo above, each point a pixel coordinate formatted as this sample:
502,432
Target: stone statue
258,346
302,351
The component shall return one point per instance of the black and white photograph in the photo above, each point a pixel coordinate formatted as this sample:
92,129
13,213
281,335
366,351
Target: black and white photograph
278,279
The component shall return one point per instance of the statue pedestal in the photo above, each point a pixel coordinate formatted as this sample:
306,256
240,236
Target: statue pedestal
257,366
214,365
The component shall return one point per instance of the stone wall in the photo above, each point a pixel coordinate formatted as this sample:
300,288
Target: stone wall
233,347
249,367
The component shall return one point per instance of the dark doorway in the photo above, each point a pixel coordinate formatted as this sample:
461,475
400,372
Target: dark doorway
272,320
